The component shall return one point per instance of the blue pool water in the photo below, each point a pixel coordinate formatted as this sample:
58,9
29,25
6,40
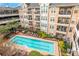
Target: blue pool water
34,44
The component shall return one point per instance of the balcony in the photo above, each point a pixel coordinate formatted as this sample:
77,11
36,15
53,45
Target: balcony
37,8
30,23
29,12
8,11
61,32
63,20
37,12
61,28
37,25
37,18
29,17
65,12
6,15
3,21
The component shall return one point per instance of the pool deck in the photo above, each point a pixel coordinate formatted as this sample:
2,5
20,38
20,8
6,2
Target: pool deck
56,51
56,48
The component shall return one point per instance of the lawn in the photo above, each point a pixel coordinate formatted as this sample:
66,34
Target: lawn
35,53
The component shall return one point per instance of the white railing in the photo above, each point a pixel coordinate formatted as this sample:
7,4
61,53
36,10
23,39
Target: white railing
4,15
6,21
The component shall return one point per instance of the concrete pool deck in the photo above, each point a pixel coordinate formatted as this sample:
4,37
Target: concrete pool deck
56,50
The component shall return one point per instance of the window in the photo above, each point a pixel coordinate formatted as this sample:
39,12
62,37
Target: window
61,28
52,10
44,8
51,26
43,17
52,19
43,25
30,17
70,30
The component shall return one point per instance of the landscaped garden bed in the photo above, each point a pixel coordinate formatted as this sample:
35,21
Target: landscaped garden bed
64,46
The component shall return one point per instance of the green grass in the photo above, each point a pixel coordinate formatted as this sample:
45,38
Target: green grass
35,53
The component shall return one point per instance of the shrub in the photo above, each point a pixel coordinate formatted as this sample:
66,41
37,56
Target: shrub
66,46
7,35
42,34
26,30
50,36
1,39
63,46
35,53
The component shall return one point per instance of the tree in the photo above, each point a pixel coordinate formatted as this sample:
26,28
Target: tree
12,26
63,46
42,34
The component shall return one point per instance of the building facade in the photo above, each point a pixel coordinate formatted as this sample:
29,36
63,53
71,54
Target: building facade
30,16
54,18
8,15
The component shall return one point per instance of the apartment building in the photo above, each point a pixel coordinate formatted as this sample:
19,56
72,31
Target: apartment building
53,18
8,14
30,16
57,19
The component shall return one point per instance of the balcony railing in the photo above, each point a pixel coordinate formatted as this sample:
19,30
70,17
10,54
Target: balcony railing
29,12
5,15
37,25
37,19
29,18
63,22
2,21
30,23
61,28
8,12
37,12
64,13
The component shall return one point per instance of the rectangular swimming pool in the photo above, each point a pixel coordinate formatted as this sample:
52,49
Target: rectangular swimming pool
36,44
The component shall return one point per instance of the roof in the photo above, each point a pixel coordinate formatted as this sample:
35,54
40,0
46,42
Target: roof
64,4
8,8
33,5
